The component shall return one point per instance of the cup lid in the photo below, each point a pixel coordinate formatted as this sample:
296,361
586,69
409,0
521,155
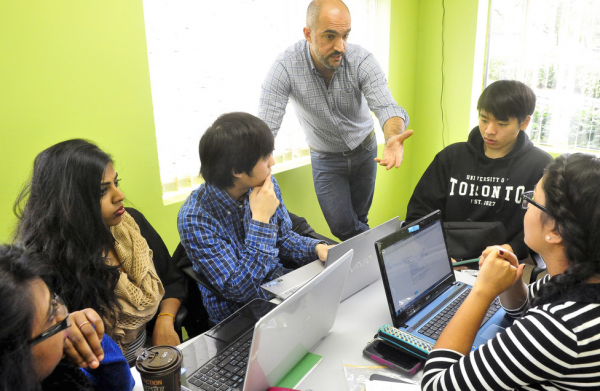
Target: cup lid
158,358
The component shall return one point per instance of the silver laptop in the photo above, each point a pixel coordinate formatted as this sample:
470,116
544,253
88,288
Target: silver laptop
241,355
363,271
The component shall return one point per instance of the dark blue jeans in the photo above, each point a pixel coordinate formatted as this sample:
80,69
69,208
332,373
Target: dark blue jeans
345,187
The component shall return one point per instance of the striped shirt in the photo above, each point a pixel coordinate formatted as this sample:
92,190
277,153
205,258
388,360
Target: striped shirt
335,118
130,351
552,347
235,253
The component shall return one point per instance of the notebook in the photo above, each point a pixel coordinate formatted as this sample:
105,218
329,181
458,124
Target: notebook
364,269
258,345
420,285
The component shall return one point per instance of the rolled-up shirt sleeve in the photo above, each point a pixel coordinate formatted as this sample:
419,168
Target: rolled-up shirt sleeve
374,86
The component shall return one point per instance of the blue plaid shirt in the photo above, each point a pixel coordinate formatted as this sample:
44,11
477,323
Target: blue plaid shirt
335,118
237,254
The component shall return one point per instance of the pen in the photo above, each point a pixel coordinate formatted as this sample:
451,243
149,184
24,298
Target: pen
465,262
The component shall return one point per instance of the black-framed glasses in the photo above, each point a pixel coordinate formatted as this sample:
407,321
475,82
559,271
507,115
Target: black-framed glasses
59,311
528,199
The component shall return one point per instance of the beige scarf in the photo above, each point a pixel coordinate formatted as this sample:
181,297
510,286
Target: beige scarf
139,289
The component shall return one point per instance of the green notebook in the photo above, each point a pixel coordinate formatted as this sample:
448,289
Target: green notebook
300,371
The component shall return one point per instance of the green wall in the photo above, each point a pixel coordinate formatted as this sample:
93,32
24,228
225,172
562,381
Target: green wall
80,69
459,38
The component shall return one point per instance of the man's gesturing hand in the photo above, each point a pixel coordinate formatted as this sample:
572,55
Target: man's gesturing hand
393,151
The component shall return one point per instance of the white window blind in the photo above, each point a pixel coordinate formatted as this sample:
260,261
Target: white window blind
207,58
553,46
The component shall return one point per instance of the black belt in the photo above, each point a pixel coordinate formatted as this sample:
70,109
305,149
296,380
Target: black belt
365,142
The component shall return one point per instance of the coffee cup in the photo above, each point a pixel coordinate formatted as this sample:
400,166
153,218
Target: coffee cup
160,368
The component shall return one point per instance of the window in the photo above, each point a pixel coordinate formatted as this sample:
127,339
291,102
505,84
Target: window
207,58
553,46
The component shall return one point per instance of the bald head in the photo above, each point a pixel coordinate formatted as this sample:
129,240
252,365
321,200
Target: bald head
317,7
328,27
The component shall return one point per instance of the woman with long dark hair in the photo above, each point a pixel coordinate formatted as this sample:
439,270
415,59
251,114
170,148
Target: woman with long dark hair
72,213
556,342
35,324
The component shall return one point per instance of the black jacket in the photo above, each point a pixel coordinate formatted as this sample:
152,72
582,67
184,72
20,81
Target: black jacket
465,184
170,275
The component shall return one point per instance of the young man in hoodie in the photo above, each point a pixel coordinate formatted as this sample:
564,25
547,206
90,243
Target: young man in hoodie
484,178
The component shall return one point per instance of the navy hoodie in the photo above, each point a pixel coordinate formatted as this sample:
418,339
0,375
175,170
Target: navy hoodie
465,184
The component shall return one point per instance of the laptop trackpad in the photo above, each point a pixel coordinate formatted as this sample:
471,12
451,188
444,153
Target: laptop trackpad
491,331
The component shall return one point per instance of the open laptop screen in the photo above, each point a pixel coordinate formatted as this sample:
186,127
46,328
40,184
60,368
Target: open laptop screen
416,264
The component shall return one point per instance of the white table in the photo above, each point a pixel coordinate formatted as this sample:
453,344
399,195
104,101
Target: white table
358,319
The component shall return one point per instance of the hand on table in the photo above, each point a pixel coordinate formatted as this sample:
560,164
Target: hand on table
322,250
164,332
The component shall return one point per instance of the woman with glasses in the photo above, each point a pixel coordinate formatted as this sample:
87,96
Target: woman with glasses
33,334
555,344
72,213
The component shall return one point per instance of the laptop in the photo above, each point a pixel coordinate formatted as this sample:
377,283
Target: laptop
258,345
364,269
420,286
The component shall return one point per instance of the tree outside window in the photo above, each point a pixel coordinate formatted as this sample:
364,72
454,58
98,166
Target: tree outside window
554,47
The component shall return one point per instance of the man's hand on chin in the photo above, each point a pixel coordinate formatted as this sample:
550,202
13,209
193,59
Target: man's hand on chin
263,201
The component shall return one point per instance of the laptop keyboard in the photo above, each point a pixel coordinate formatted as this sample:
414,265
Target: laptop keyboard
436,325
226,371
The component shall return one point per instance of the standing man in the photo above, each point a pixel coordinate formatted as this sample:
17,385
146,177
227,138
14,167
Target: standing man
334,86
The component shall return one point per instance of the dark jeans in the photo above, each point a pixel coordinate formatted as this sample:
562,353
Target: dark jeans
345,187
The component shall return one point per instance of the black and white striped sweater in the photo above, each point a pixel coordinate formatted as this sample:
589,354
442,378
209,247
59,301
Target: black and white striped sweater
552,347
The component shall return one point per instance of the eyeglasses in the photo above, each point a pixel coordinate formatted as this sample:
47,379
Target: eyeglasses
528,199
59,311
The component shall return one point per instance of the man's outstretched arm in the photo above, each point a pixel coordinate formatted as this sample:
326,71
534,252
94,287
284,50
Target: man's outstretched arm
393,150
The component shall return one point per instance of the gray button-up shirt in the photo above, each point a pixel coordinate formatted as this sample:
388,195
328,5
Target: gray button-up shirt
337,118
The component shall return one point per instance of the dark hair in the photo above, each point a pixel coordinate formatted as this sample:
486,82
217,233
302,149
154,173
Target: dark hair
62,221
571,185
505,99
18,268
234,143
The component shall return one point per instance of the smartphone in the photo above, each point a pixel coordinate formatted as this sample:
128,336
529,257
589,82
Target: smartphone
393,358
